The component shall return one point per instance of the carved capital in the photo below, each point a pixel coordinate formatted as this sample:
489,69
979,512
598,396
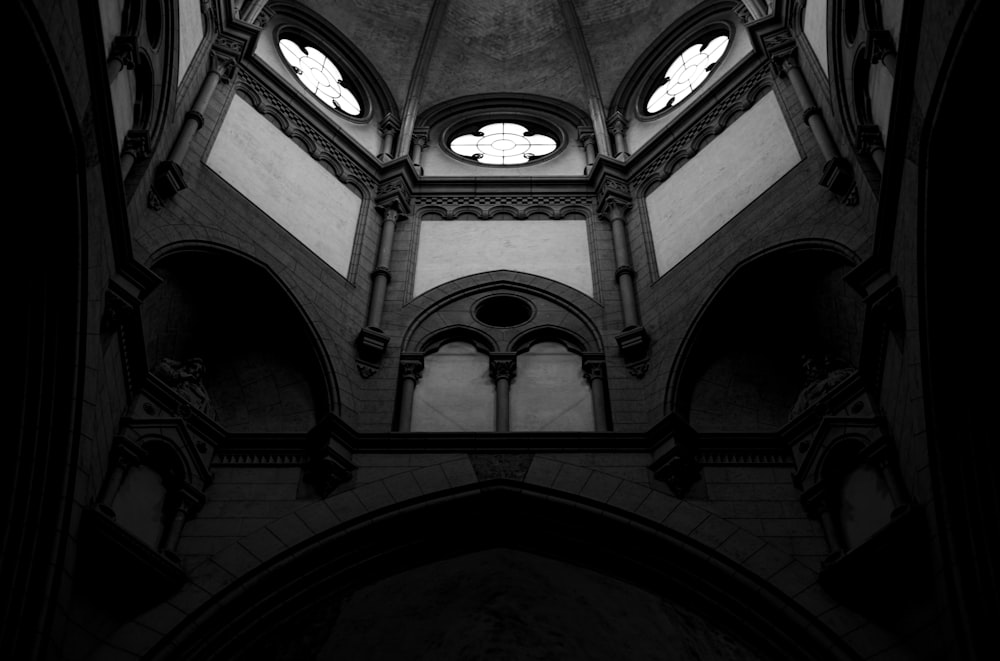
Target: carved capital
420,137
586,136
742,13
389,124
837,177
394,196
412,367
503,366
869,139
168,180
617,123
633,343
781,50
371,344
613,198
879,44
224,64
136,143
124,48
594,369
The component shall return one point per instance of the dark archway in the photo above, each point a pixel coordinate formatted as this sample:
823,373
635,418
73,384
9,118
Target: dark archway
495,525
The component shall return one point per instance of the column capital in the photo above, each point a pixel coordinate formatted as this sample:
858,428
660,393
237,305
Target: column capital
617,123
594,368
394,196
224,64
869,138
136,143
420,137
585,136
614,198
503,366
124,48
780,48
388,124
879,43
412,366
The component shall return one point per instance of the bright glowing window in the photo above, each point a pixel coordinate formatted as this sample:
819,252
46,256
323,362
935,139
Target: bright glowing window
503,143
687,72
320,76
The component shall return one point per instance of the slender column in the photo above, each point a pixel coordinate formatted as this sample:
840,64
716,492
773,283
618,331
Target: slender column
169,176
831,530
418,142
589,144
381,275
870,142
388,128
124,456
617,126
614,212
811,113
122,55
503,367
136,146
593,371
189,500
411,368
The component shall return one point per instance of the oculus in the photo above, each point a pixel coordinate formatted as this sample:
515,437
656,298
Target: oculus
687,72
320,76
502,143
503,311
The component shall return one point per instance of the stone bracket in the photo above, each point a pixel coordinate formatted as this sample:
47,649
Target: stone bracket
633,343
371,344
168,180
837,177
674,458
329,464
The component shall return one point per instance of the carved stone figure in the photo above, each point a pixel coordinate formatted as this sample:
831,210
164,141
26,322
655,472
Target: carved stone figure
821,376
185,377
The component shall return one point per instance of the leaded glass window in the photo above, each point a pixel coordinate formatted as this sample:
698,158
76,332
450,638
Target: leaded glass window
320,76
503,143
687,72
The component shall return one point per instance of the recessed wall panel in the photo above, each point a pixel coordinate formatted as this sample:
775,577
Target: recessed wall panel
287,184
724,177
451,249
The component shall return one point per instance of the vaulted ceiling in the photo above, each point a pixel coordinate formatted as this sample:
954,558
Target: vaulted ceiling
430,51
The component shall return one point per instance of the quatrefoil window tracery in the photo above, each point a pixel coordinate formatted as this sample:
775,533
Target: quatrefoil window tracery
503,143
687,72
320,76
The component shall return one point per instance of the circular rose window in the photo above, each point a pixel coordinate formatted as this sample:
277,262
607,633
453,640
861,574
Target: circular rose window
687,72
320,76
502,143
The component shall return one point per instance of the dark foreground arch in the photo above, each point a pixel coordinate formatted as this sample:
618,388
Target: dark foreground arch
524,522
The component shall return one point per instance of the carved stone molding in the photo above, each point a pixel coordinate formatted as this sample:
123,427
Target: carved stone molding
295,125
613,196
688,143
395,195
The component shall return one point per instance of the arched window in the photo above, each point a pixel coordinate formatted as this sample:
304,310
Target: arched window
455,392
550,392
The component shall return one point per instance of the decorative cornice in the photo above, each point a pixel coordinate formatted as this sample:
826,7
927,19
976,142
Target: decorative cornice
293,124
689,142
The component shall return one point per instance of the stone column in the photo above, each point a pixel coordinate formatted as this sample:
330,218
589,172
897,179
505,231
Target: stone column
411,368
593,371
836,171
136,147
615,203
831,529
189,501
388,128
503,367
418,142
381,274
589,144
614,200
169,176
617,125
122,56
870,142
124,455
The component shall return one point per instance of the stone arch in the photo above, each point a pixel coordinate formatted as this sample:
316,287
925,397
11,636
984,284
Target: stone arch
643,540
757,324
226,308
